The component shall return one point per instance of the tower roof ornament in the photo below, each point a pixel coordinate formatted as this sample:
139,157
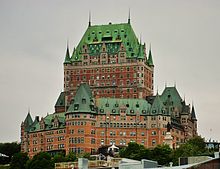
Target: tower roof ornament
129,17
89,18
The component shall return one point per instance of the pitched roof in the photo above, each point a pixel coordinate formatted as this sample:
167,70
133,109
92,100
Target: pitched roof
110,34
61,100
83,100
157,106
131,106
48,121
170,94
67,58
193,113
28,122
150,59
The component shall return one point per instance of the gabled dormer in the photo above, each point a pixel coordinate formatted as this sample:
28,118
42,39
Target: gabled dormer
157,107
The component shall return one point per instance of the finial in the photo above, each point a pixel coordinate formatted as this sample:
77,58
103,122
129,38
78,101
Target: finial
165,84
29,109
157,90
129,17
89,18
67,43
140,39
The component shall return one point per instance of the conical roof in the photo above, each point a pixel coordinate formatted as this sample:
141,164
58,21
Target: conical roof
83,100
28,122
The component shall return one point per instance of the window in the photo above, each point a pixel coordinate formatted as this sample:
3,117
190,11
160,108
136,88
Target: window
153,133
83,101
92,141
153,142
80,131
102,133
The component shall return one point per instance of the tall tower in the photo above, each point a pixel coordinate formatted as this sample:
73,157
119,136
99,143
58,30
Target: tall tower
112,61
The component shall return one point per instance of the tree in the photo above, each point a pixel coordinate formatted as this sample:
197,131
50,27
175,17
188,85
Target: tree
193,147
134,151
9,149
84,155
19,160
161,154
41,160
59,158
71,157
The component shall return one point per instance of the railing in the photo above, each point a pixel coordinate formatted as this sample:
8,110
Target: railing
91,164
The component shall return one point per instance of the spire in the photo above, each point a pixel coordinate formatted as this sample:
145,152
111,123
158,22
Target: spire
129,17
193,114
150,58
141,51
28,121
89,18
67,58
140,39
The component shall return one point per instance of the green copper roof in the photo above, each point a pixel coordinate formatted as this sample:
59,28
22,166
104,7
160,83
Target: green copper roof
193,114
60,100
131,106
171,95
83,100
150,59
112,35
157,106
48,121
28,122
67,58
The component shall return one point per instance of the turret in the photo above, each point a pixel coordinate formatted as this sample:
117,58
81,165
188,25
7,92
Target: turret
150,59
193,114
67,58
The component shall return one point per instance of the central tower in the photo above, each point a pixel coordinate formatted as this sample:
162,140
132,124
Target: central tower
112,61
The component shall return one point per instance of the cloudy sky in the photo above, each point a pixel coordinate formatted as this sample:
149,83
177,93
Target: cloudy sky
184,34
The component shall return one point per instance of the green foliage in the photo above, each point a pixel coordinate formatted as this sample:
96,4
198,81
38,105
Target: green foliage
134,151
71,157
19,160
193,147
9,149
41,160
162,154
84,155
59,158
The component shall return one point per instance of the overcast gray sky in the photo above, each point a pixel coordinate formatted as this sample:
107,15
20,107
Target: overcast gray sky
184,34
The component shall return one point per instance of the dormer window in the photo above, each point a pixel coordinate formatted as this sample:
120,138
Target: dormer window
83,101
76,106
92,107
116,104
102,110
113,110
144,111
106,105
132,111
